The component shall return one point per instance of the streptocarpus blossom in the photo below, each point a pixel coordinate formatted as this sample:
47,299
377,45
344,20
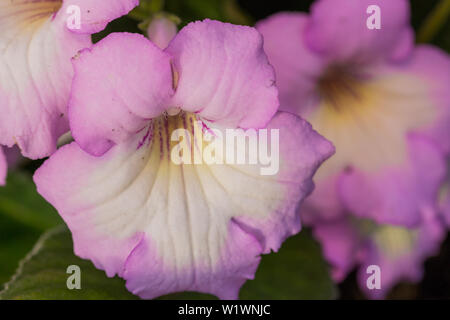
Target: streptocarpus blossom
162,226
399,252
37,41
384,103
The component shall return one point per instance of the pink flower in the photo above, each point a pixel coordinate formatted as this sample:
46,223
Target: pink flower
383,103
36,45
399,252
167,227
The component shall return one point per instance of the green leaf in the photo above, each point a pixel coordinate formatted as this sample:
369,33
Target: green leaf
20,202
223,10
122,24
435,20
42,274
191,10
146,8
15,241
297,271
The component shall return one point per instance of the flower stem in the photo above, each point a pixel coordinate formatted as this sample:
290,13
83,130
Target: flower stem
434,21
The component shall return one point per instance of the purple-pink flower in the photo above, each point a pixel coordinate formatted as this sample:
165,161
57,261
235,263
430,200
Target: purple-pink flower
36,45
166,227
385,105
399,252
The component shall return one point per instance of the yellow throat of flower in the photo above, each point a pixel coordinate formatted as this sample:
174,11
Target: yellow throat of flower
368,118
177,130
395,241
29,13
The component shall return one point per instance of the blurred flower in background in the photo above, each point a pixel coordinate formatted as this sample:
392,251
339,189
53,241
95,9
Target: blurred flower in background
385,104
399,252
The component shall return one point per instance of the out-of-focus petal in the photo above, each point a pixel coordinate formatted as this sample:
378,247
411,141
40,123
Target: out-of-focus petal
161,31
297,68
166,227
3,167
400,253
369,126
223,74
96,14
35,75
324,204
397,194
120,84
341,246
338,30
431,66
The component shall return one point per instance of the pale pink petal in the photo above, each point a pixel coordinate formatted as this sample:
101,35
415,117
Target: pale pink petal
167,227
222,73
120,84
161,31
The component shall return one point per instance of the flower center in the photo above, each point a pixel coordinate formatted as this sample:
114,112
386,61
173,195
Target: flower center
338,85
368,116
395,241
177,131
